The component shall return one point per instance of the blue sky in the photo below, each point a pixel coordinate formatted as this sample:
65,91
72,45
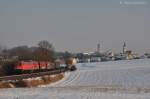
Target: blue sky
75,25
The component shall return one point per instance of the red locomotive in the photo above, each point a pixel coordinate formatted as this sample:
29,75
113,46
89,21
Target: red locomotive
23,66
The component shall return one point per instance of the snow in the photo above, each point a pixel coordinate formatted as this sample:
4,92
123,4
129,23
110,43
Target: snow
35,78
62,93
104,80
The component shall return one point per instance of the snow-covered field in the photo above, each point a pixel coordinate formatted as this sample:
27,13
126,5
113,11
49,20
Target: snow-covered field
128,79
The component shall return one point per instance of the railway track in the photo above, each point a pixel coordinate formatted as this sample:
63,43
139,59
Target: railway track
25,76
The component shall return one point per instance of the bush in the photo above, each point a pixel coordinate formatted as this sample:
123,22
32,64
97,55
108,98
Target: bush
9,68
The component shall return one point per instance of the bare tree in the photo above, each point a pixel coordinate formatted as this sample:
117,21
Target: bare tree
0,49
46,45
45,52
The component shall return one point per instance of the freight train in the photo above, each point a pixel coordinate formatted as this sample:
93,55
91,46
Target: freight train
36,66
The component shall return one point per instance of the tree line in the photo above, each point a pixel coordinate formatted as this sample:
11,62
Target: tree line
43,51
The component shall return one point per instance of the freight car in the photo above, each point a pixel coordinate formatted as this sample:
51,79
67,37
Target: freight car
70,64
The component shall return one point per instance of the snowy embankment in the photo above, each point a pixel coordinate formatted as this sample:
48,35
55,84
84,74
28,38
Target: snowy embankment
104,80
32,82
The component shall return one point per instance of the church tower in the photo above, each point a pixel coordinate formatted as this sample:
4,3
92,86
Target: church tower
124,48
98,48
